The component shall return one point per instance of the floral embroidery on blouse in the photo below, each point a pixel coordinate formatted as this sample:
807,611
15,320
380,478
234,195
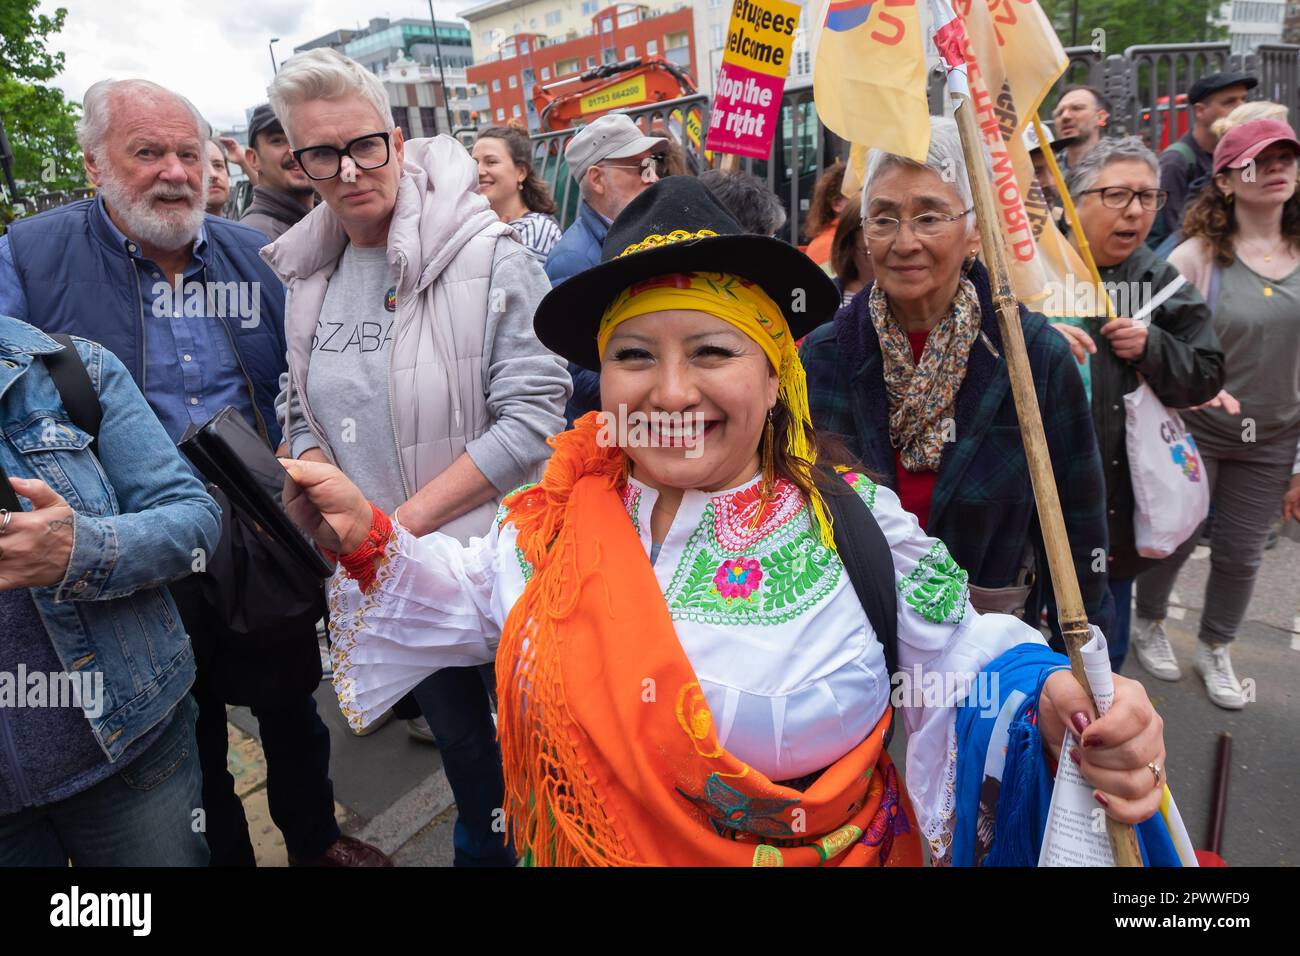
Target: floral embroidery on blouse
775,579
631,496
525,568
864,486
738,524
738,578
937,588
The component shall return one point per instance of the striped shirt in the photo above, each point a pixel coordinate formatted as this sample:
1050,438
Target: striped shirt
539,232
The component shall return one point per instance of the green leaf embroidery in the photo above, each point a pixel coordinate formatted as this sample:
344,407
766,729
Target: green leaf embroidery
937,588
791,571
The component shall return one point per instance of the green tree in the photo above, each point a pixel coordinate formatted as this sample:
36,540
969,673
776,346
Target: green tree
39,120
1127,23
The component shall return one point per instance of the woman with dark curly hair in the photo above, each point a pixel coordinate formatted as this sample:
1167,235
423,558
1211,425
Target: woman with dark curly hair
518,195
1243,253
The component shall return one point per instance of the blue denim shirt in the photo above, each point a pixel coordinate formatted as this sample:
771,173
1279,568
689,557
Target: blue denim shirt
142,520
191,370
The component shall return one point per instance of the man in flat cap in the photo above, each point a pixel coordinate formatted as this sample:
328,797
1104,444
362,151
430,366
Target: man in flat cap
1189,159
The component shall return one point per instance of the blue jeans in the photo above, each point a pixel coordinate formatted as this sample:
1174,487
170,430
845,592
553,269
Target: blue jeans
143,816
455,702
1121,589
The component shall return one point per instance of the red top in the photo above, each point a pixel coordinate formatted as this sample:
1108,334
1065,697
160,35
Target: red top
916,488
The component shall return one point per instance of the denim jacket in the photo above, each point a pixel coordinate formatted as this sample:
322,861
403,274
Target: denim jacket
141,520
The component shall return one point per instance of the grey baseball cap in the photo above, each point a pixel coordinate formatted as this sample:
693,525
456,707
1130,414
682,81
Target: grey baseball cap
612,136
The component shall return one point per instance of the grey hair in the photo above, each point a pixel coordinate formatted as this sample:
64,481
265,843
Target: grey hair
96,110
325,74
747,198
944,159
1086,172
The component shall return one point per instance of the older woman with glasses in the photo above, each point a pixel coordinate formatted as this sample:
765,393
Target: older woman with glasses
1162,335
413,364
911,374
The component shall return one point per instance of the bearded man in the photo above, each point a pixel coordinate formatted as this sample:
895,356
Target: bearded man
142,270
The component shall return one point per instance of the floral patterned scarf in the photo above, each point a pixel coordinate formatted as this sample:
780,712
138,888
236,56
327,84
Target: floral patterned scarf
921,396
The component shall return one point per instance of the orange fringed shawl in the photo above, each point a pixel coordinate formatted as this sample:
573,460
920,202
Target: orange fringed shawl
610,752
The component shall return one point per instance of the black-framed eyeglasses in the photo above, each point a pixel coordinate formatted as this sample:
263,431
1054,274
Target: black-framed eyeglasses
928,225
1118,197
324,162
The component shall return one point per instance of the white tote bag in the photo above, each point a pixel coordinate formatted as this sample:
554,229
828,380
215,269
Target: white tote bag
1171,489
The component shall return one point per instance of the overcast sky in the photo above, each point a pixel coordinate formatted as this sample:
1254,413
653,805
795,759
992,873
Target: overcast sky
214,53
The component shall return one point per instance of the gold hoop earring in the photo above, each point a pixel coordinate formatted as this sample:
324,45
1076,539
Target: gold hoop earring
769,457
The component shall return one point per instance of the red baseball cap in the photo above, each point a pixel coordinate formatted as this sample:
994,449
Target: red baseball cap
1243,143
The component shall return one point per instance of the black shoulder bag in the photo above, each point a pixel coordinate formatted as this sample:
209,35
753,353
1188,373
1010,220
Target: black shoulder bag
870,566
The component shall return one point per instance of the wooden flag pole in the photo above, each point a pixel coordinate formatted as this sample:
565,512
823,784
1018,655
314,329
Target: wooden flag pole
1069,599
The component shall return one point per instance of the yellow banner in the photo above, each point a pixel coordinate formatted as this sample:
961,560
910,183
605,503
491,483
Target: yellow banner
869,74
1004,55
760,35
626,93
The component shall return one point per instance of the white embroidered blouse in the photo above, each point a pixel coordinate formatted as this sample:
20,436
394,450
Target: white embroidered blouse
784,652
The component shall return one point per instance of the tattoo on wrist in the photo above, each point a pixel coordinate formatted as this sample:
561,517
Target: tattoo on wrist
59,523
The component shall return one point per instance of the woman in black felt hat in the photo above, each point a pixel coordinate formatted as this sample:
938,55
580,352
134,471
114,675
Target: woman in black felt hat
687,673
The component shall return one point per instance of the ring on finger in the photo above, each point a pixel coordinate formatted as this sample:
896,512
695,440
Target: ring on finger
1156,772
8,516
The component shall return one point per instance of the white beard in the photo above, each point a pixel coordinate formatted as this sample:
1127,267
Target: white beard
167,229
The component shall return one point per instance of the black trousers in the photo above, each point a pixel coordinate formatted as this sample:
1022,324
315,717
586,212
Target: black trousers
274,675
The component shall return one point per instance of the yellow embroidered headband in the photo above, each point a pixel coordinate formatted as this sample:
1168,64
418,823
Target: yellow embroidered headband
744,305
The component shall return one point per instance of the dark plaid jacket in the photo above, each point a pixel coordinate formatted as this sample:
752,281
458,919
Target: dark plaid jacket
983,504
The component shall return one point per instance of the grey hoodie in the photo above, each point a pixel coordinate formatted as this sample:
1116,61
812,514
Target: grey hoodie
467,373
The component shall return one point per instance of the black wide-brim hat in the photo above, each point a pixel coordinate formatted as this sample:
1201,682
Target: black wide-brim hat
678,226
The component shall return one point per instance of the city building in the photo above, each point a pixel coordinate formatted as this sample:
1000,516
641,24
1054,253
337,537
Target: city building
1291,23
509,64
404,54
415,93
334,40
1252,22
384,42
491,23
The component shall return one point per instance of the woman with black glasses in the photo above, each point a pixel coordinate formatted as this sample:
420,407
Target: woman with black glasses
413,365
1163,333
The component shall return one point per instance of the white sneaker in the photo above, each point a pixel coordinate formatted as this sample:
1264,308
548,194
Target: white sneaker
1215,666
1151,645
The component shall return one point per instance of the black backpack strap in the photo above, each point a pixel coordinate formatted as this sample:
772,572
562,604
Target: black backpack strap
74,385
8,497
870,566
79,400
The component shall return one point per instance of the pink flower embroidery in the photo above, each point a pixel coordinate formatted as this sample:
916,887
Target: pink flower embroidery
738,578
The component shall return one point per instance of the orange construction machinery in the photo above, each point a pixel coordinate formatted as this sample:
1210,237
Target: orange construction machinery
634,82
